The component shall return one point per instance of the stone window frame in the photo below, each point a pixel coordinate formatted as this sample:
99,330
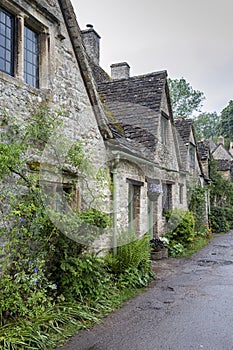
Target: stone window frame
22,19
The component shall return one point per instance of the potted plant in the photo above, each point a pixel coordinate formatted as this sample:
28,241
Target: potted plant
159,248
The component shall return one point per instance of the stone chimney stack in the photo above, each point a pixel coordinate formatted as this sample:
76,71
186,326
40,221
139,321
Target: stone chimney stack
221,140
91,41
231,148
120,70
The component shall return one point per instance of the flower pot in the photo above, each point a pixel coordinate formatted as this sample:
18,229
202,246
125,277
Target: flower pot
156,255
164,252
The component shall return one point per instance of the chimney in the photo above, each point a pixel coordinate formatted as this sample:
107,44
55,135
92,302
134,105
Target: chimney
231,148
221,140
120,70
91,41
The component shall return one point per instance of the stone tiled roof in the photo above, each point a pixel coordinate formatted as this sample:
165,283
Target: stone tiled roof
184,127
183,131
99,74
224,164
134,106
203,148
220,152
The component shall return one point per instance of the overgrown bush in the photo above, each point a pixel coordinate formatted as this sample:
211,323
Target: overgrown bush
218,220
197,205
84,278
180,226
229,216
132,261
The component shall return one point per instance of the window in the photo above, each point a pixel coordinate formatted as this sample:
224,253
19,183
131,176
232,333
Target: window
31,58
192,155
24,47
167,197
6,42
164,126
181,193
61,197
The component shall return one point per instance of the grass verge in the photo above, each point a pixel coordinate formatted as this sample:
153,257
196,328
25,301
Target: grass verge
195,246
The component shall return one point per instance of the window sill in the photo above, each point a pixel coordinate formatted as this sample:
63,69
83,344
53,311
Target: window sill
20,83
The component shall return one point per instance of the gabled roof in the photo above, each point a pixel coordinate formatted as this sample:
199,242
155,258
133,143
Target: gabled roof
184,128
186,133
220,152
134,106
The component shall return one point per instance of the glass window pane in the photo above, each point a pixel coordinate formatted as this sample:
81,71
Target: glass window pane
6,41
2,64
31,66
2,52
2,40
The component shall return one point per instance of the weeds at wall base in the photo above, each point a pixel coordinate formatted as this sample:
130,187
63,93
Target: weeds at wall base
54,327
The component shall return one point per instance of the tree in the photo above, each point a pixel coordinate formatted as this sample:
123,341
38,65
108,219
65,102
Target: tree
207,125
226,124
185,100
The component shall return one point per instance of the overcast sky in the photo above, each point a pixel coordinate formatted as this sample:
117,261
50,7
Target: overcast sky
188,38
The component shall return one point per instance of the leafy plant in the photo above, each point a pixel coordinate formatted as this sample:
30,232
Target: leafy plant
157,244
218,220
180,225
197,205
83,278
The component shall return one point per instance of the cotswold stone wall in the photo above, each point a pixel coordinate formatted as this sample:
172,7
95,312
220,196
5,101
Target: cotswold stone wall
62,87
65,87
128,170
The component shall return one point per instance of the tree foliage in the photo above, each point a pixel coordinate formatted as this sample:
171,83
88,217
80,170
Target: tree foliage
226,123
221,201
207,125
185,100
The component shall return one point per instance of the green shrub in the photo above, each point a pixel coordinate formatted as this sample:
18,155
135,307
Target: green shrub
175,249
95,218
197,205
218,220
84,278
180,226
132,262
229,216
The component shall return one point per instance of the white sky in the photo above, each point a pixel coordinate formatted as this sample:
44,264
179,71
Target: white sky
189,38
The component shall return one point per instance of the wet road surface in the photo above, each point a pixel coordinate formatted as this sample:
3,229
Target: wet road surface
189,306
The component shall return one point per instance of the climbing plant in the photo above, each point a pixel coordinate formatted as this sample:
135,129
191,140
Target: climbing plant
34,246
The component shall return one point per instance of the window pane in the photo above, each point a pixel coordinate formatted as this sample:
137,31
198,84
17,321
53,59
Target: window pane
2,64
31,58
6,41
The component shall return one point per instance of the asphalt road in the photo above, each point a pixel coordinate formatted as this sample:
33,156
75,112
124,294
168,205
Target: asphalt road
190,306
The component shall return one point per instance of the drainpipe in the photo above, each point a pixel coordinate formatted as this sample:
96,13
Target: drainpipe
115,207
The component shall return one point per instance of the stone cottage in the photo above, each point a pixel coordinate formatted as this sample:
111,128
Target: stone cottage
149,176
195,156
42,61
224,158
125,123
